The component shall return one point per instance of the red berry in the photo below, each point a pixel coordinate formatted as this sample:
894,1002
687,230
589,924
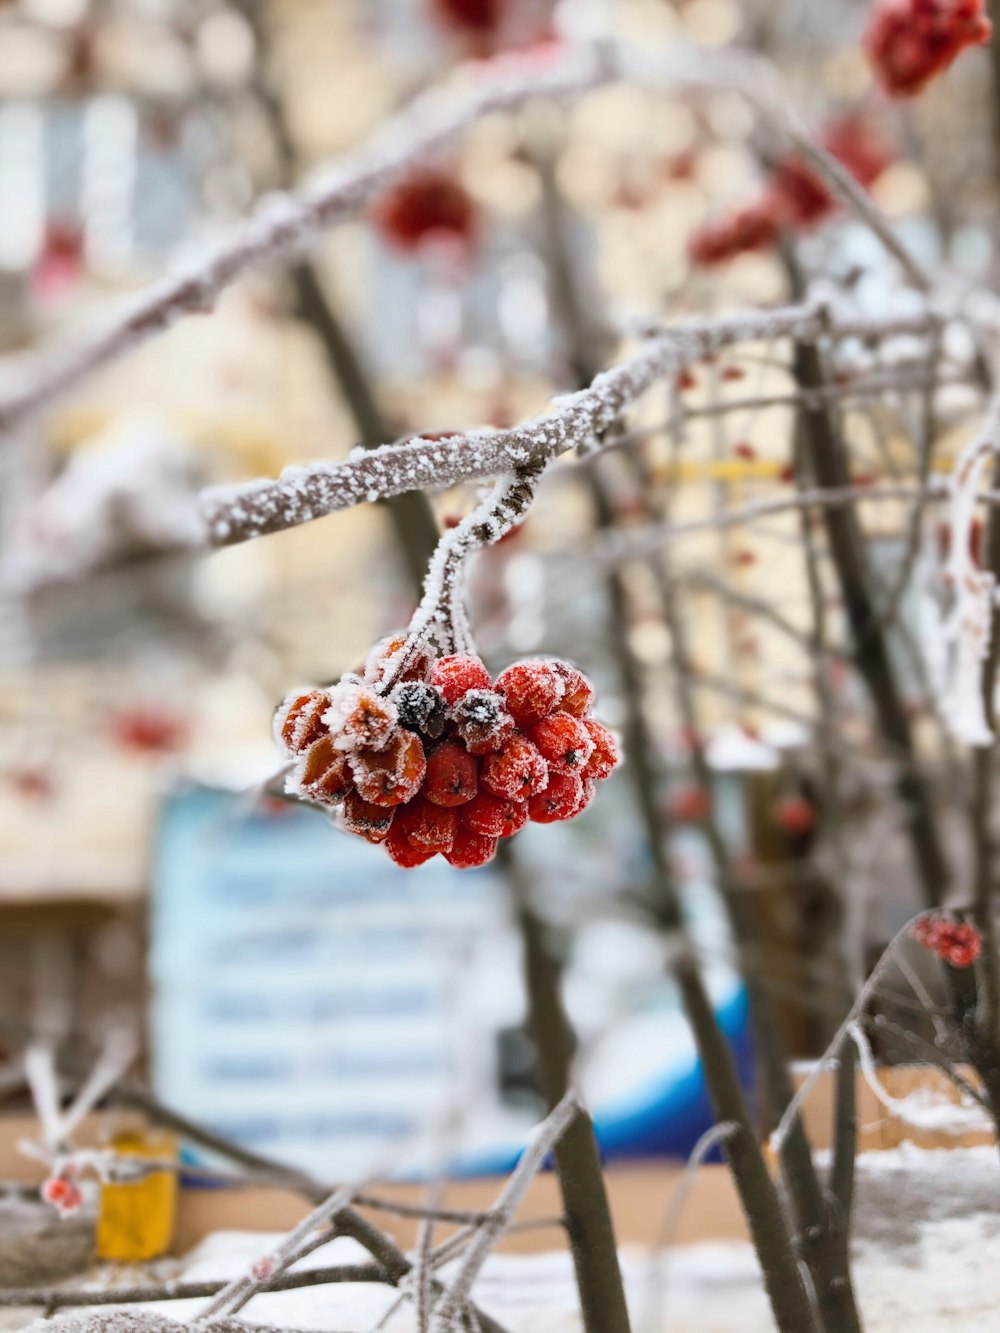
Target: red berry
690,805
518,771
733,373
358,718
482,721
515,817
428,204
532,690
393,775
754,227
909,42
368,821
606,756
560,800
564,742
299,720
578,693
452,775
402,851
323,773
588,794
457,674
743,449
427,827
471,849
487,815
794,815
481,17
958,943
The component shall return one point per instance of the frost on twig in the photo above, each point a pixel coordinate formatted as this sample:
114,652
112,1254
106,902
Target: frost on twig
548,1134
575,421
286,223
441,614
964,632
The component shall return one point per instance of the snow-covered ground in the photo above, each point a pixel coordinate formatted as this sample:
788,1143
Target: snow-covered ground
927,1259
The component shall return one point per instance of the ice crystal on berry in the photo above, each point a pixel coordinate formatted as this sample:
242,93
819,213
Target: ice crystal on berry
420,707
482,721
358,718
427,756
457,674
532,690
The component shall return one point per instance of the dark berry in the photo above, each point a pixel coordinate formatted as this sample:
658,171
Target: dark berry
421,708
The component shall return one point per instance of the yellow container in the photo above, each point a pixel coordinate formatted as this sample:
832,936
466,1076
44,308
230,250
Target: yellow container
136,1220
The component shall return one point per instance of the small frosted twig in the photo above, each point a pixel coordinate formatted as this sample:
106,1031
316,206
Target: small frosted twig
549,1133
965,631
579,420
791,1112
241,1289
441,613
40,1071
719,1133
923,995
965,1117
641,542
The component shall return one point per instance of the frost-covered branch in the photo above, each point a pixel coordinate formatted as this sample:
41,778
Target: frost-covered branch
965,630
576,421
285,223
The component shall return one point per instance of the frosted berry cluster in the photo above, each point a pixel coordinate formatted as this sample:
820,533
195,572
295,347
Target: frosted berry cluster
956,942
447,760
910,42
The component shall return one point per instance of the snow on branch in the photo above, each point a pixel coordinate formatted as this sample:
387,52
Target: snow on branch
285,223
965,631
579,420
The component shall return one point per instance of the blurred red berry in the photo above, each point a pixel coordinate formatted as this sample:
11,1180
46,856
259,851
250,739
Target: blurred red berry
480,17
690,805
150,730
957,943
452,775
733,373
754,227
743,449
910,42
429,204
794,815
